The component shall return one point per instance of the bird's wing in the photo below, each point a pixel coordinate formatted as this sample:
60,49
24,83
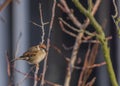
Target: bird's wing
29,54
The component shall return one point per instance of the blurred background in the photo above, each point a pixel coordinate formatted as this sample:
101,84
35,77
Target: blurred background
17,34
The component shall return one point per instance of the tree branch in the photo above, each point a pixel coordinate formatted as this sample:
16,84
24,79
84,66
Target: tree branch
101,38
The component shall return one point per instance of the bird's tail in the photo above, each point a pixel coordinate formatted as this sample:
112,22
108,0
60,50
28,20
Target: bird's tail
19,58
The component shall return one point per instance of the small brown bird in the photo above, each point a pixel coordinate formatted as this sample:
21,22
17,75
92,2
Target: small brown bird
34,55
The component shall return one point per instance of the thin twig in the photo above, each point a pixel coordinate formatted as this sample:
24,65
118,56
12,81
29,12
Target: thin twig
116,18
116,10
61,53
67,48
91,82
80,82
77,44
51,83
101,38
42,24
88,65
94,41
35,75
95,7
91,66
8,69
17,46
71,27
15,54
38,79
66,31
36,24
25,76
48,43
90,5
64,7
5,4
8,65
97,65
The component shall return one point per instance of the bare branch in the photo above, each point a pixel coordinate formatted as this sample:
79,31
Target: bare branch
87,64
64,7
64,30
36,24
91,82
86,40
90,5
116,18
90,66
95,7
5,4
67,48
35,75
17,45
80,82
8,69
42,24
8,65
71,27
26,76
116,10
51,83
77,45
48,42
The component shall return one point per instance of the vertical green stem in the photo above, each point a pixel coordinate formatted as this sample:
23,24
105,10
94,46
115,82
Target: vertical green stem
102,39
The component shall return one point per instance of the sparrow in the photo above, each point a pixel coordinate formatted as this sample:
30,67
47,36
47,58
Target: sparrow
34,55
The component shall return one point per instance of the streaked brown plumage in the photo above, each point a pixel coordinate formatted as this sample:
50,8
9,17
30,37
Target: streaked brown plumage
34,55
